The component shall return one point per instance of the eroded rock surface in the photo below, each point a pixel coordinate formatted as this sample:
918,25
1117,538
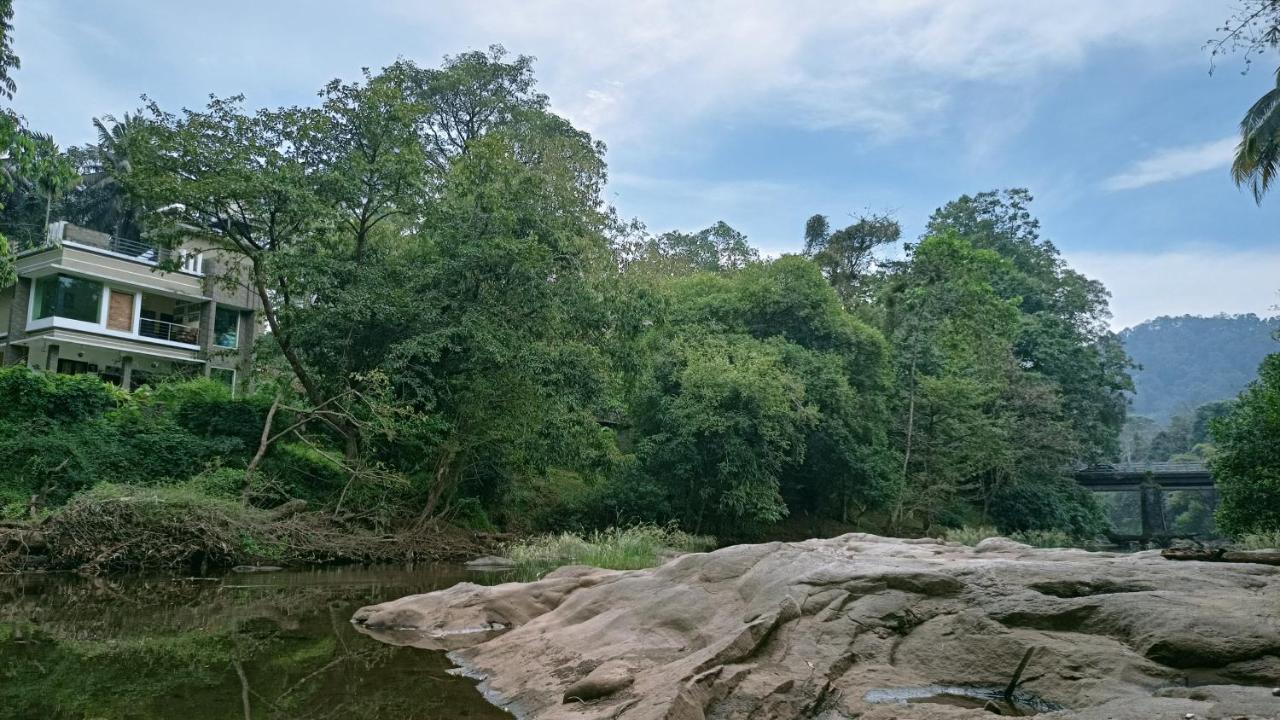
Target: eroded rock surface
807,630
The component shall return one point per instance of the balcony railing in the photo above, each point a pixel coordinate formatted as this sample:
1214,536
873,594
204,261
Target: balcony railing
173,332
60,232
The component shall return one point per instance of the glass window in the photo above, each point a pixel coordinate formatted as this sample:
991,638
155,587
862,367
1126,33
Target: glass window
67,297
226,327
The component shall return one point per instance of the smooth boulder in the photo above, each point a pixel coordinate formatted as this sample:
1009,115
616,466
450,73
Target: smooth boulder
829,628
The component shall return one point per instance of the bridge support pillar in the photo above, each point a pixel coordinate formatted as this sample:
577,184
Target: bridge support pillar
1151,497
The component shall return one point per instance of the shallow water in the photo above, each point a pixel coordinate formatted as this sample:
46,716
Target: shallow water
263,646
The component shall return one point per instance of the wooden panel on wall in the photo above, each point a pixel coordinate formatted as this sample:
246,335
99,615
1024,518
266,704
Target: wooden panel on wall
120,311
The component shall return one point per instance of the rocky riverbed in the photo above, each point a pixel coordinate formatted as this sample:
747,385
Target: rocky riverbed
868,627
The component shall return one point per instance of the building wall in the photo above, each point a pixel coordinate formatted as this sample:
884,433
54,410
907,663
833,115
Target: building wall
16,321
90,263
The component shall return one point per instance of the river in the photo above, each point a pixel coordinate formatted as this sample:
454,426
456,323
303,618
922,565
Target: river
263,646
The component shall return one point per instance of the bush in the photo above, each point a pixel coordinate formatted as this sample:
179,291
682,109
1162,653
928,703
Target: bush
1048,504
1259,541
207,409
26,394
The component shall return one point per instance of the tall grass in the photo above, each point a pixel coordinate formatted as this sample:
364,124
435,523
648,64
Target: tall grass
1258,541
627,548
971,535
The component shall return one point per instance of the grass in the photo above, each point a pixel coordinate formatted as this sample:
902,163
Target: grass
627,548
970,535
1258,541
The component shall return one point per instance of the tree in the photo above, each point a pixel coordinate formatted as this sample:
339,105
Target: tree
846,255
32,164
1257,160
1062,329
1246,468
102,201
9,60
1254,30
718,248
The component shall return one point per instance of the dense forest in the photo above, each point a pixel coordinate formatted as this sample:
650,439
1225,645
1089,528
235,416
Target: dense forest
1185,362
462,332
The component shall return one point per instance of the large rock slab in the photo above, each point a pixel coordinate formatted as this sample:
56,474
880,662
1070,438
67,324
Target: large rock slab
821,628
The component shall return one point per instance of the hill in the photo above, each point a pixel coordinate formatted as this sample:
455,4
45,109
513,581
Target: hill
1188,361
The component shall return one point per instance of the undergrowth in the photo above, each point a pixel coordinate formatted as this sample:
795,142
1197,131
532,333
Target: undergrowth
626,548
1258,541
972,535
112,528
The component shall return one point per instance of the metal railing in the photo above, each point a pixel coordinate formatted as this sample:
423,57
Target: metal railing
1156,468
138,250
173,332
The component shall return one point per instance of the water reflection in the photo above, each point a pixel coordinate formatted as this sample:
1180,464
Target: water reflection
259,646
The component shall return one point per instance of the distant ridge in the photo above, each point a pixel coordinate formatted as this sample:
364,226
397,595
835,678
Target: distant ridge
1188,361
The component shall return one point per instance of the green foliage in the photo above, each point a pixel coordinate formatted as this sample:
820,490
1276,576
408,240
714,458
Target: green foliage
60,434
1006,373
69,399
761,393
1246,468
633,547
1258,541
972,535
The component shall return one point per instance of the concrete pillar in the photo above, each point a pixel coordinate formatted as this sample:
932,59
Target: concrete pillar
126,373
51,359
1151,496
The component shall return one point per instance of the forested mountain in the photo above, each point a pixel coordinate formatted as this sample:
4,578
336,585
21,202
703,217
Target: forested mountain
1188,361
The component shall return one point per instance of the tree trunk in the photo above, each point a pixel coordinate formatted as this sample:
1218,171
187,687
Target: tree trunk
286,347
263,442
906,455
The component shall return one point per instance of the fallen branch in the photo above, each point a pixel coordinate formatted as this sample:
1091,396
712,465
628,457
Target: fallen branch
1017,674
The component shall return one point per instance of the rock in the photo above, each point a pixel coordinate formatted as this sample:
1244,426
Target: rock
605,680
256,568
830,628
1000,544
491,561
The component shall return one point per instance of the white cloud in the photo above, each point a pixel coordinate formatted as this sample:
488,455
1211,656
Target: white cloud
1174,164
1196,281
885,67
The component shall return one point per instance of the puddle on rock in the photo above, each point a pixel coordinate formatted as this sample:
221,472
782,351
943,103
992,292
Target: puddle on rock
980,698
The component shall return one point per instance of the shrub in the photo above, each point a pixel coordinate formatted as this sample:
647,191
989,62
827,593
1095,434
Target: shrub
969,535
26,394
628,548
1259,541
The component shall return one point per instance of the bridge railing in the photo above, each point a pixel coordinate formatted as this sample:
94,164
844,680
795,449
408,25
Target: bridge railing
1155,468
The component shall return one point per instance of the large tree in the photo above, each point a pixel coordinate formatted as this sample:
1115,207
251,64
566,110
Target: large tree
1246,467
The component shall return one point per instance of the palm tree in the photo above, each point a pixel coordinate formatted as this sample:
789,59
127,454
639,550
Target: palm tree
1258,154
102,202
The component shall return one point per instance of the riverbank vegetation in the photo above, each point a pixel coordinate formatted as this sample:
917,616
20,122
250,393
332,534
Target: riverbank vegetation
462,333
617,548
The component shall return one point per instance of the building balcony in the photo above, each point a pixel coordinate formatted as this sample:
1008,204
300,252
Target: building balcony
64,234
169,331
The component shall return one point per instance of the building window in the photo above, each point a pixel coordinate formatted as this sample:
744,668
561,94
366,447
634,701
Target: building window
226,327
67,297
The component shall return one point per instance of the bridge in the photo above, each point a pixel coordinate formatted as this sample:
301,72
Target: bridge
1150,480
1130,476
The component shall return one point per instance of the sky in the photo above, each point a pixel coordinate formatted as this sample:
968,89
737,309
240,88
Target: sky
762,113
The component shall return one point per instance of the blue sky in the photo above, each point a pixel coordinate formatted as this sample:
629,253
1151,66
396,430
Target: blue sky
763,113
